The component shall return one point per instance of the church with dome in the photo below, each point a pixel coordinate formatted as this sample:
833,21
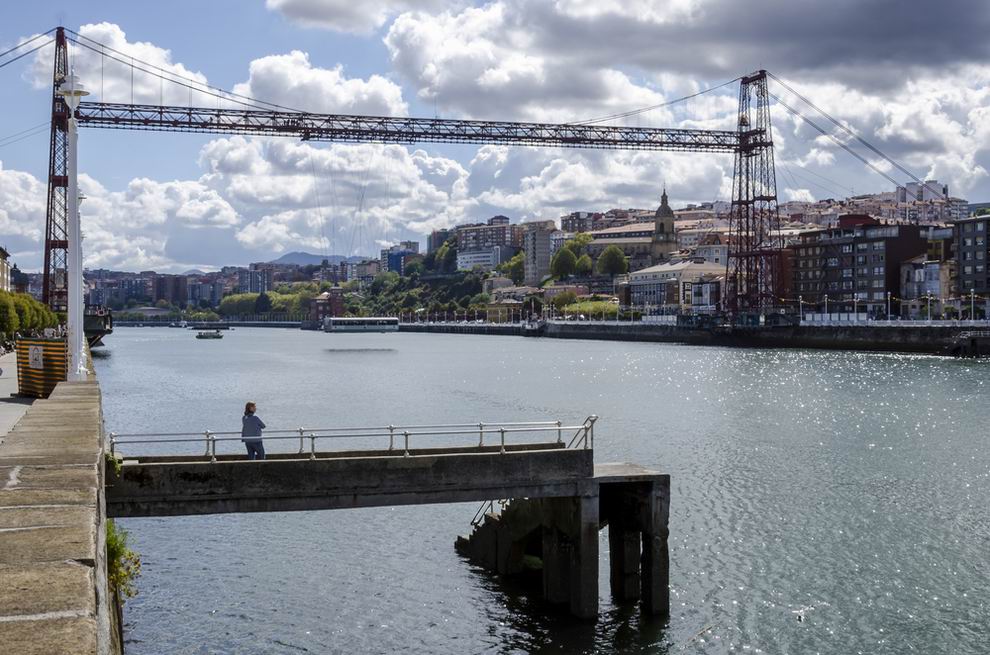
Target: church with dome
644,243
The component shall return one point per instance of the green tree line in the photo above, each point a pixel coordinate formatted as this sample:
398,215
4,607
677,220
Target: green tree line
22,314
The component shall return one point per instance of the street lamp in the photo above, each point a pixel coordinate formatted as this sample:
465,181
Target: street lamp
888,305
72,93
972,304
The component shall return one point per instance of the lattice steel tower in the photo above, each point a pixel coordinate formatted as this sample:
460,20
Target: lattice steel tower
753,271
55,291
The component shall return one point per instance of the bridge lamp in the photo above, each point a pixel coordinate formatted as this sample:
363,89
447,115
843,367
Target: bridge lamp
72,93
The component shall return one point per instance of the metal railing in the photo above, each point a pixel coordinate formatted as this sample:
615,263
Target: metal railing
584,438
583,435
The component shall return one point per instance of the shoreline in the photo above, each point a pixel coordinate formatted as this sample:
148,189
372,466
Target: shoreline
931,340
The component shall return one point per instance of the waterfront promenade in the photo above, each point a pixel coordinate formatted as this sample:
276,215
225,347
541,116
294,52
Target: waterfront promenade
12,407
54,596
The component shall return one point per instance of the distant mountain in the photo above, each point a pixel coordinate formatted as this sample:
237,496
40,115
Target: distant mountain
309,259
194,271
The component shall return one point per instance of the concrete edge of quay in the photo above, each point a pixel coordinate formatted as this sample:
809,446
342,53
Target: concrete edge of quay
54,592
929,340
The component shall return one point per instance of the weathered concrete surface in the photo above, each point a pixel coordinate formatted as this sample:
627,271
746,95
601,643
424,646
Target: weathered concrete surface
12,407
633,502
429,476
53,587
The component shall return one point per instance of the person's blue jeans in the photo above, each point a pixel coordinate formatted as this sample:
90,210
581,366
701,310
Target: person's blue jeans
255,449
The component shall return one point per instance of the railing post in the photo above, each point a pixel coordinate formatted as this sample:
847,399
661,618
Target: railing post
312,446
207,436
391,436
501,431
113,442
560,434
406,435
212,447
481,435
302,447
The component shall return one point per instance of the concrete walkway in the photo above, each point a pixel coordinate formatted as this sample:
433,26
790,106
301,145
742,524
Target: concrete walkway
12,408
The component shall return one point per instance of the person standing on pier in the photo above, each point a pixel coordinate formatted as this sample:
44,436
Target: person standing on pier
251,427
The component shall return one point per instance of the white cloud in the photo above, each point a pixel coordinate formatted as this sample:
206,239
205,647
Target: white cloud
110,76
800,195
482,63
22,215
345,15
291,80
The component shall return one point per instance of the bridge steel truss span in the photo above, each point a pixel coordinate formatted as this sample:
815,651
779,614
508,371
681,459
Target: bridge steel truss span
754,250
383,129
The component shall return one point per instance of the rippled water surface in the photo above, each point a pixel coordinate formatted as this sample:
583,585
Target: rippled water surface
821,502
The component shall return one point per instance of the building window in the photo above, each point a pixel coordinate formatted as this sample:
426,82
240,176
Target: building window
968,241
847,272
878,270
861,246
967,270
847,248
861,259
877,284
879,245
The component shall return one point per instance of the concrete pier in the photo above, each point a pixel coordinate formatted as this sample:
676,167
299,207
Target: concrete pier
631,501
54,596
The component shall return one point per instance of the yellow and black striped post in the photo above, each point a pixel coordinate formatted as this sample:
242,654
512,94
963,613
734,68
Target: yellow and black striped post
41,364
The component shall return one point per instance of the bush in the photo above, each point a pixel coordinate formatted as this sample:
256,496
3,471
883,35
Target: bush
123,564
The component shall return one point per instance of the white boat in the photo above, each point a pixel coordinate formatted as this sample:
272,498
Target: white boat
209,334
361,324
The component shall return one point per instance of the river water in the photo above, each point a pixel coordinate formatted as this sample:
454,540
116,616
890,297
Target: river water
821,501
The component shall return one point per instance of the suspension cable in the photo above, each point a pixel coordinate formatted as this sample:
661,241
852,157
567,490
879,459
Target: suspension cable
179,79
24,43
25,54
829,135
845,128
643,110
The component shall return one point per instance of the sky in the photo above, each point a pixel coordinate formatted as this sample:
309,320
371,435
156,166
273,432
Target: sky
916,84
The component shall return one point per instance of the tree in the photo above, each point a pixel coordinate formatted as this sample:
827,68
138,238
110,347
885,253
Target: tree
584,266
563,264
612,262
579,243
262,304
983,211
449,258
514,269
414,268
564,299
27,316
9,322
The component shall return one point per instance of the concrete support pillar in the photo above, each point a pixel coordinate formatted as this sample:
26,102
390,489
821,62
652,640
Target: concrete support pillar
556,566
623,546
584,560
655,557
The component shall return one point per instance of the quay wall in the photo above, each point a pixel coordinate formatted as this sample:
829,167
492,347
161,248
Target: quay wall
54,593
913,338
